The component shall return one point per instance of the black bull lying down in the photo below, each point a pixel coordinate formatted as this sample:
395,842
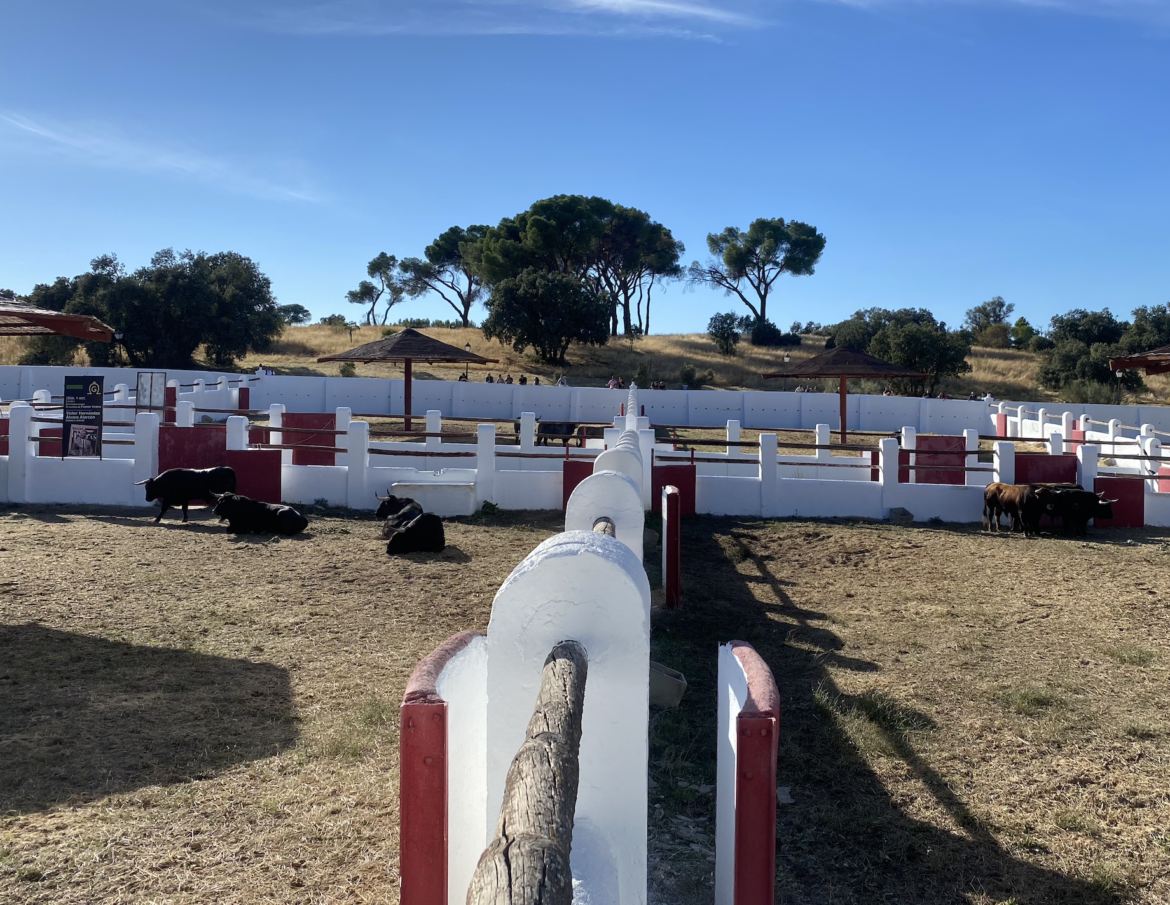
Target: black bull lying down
247,516
407,528
179,486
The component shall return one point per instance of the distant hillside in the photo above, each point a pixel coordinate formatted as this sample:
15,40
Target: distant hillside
1007,374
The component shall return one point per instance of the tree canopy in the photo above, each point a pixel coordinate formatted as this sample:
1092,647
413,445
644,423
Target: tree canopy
747,264
545,310
448,269
384,283
617,253
165,310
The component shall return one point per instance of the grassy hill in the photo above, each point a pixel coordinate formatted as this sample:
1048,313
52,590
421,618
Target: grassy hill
1006,373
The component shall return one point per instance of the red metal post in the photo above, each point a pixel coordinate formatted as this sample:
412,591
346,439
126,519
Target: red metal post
844,394
245,398
672,546
755,809
422,803
170,400
406,368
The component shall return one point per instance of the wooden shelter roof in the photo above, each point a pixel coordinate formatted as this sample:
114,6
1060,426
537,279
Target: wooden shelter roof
1155,361
409,345
842,362
21,319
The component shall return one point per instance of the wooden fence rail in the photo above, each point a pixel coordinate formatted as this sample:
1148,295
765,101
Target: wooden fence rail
527,863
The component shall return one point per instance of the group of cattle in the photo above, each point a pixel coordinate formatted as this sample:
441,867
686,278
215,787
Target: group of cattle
405,526
1026,504
244,515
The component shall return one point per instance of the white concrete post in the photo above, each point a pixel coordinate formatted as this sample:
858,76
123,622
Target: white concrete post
1083,423
1005,462
1147,430
237,432
527,432
485,463
434,426
275,437
357,490
1153,447
42,397
1042,418
222,383
971,444
910,443
200,387
823,439
611,435
1087,466
888,473
121,393
184,414
733,437
646,448
145,445
20,450
1067,423
341,421
769,477
1055,445
1114,430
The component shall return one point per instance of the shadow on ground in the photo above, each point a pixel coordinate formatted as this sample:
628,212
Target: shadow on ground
83,717
844,840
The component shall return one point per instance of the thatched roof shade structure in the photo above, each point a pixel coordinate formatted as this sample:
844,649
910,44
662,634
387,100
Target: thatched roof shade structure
1155,361
408,347
20,319
845,363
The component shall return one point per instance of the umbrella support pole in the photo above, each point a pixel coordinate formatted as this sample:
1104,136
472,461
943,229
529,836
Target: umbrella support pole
844,393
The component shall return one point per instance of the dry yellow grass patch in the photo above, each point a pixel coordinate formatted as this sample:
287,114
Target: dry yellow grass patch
1005,373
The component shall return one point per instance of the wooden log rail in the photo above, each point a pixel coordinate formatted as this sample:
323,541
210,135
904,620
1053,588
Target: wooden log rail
527,863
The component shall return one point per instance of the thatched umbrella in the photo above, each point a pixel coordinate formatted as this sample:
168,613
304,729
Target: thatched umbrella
1155,361
843,364
20,319
408,347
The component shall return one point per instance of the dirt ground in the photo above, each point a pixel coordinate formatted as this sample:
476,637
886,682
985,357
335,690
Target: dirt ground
191,717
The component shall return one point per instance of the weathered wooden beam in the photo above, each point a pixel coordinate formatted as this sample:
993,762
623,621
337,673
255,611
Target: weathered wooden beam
528,861
605,525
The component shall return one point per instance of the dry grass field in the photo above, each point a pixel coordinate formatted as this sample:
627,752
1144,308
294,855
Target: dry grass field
1005,373
188,717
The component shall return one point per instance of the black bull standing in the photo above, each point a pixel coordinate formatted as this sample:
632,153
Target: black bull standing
179,486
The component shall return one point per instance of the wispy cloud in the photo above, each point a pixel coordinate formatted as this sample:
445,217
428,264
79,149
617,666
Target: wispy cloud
105,148
619,18
1157,11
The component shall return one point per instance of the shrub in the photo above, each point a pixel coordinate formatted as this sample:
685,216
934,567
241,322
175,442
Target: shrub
389,331
336,322
686,375
724,330
642,377
347,369
995,336
414,322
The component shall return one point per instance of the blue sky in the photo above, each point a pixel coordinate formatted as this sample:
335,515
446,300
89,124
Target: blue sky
949,150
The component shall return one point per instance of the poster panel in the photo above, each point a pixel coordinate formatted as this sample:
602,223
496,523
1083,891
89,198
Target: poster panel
81,420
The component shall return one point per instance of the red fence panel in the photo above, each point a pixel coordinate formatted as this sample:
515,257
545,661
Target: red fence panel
3,436
1130,509
1001,425
191,447
245,399
312,420
682,477
1076,437
51,449
1041,468
257,473
671,547
903,460
573,472
170,400
940,451
1164,486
